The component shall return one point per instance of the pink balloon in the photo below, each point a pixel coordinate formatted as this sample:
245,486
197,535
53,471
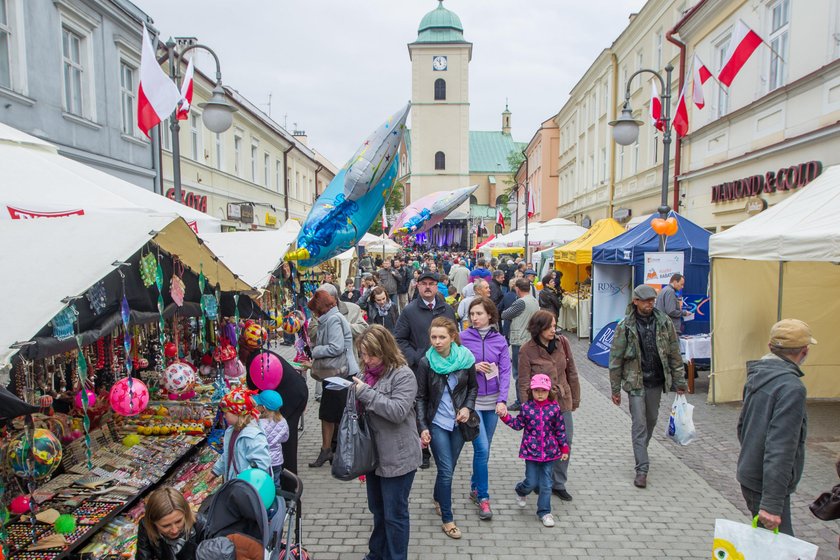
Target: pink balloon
91,398
20,504
266,370
129,403
234,368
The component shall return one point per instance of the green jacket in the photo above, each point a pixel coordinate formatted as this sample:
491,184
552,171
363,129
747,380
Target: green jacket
625,354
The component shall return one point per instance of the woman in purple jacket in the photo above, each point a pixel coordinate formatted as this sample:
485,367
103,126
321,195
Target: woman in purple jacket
492,370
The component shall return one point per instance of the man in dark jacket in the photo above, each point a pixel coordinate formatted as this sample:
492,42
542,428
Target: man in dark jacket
412,331
773,425
669,303
497,287
389,279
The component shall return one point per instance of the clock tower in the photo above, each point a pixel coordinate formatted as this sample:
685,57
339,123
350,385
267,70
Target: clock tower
440,105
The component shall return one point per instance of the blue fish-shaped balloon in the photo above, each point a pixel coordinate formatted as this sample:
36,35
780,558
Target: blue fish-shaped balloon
354,198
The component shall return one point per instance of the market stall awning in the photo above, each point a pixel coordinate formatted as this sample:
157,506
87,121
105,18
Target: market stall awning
483,243
49,262
558,231
254,255
378,245
39,182
579,251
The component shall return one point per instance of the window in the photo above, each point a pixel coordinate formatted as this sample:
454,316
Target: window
297,185
266,169
440,89
440,161
5,47
722,95
71,44
655,146
636,157
166,132
279,176
127,100
592,169
605,100
779,32
603,164
620,162
657,51
640,63
219,152
195,135
254,150
237,155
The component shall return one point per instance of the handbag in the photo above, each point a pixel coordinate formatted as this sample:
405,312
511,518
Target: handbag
827,505
333,366
355,453
471,428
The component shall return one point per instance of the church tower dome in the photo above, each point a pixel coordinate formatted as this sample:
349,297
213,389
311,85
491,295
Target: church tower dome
440,26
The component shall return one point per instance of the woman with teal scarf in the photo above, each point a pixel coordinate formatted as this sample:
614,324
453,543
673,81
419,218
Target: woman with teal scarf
446,392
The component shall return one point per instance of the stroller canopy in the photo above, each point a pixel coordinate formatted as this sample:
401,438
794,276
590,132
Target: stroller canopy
235,508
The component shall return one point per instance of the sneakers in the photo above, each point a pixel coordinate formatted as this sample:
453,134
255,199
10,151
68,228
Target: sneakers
484,511
547,520
520,500
474,496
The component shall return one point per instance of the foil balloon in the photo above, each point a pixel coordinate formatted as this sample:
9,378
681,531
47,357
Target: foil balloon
38,458
266,370
354,199
129,397
425,213
90,399
178,377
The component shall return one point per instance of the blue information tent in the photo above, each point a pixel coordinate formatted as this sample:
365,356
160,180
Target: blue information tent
618,265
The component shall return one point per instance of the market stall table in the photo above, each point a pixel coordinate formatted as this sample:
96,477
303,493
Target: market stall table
695,348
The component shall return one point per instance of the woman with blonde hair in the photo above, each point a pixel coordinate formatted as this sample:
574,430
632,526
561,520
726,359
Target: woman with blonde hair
387,394
168,530
446,393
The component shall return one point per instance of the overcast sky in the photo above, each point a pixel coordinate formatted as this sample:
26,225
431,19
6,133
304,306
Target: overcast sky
338,68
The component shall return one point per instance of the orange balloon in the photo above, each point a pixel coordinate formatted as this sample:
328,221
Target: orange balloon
658,225
671,226
538,285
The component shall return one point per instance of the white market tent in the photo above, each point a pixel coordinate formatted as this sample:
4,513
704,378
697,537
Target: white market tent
781,263
556,232
49,260
37,181
374,245
254,255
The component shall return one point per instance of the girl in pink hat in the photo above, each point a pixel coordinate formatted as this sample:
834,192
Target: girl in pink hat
543,443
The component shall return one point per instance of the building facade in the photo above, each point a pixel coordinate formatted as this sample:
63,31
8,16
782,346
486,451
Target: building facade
68,74
542,174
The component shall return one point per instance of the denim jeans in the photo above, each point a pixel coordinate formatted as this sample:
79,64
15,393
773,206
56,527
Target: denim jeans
446,446
480,480
561,468
388,502
644,411
514,369
753,500
538,475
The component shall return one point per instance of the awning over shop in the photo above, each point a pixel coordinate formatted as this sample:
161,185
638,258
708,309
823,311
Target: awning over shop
572,259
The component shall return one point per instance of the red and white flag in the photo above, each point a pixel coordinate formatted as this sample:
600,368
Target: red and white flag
186,93
680,122
701,76
157,96
656,107
743,43
532,207
500,218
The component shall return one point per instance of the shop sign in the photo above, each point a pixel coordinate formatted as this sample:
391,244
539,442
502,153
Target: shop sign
247,212
233,211
755,206
191,199
270,219
659,267
622,213
785,179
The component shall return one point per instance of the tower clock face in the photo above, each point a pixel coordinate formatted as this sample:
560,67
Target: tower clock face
439,63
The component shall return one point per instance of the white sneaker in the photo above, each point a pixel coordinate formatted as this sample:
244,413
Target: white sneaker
547,520
520,500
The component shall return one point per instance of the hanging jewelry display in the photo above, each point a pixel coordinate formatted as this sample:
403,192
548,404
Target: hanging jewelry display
201,318
176,286
63,322
148,269
82,371
235,341
161,320
97,297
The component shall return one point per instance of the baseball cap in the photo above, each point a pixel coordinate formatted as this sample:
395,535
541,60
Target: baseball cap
643,292
428,274
791,333
530,271
271,400
541,381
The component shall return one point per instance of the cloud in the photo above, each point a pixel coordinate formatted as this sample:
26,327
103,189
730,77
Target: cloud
338,68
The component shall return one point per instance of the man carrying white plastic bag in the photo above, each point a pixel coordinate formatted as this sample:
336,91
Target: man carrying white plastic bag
773,426
737,541
681,424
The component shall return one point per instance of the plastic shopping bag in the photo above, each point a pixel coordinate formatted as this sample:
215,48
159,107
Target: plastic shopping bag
744,542
681,422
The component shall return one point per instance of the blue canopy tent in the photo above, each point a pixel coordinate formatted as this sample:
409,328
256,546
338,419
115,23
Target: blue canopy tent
618,266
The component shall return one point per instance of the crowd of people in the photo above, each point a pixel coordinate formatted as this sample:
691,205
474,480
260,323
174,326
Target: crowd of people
437,350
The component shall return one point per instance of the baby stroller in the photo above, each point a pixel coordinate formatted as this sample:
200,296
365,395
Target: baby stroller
236,509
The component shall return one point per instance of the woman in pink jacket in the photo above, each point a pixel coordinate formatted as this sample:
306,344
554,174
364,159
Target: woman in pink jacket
276,428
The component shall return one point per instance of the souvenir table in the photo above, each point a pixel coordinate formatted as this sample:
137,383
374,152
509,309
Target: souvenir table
698,347
574,312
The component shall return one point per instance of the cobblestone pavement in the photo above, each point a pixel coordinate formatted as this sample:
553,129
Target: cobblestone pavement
609,518
713,456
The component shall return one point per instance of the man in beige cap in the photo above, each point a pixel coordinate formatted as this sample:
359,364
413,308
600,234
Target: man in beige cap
773,425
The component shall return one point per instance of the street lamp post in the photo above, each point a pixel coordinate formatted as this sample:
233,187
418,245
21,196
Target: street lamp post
527,208
217,115
626,131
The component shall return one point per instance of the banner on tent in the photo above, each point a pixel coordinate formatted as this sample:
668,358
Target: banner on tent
698,306
599,350
659,267
611,289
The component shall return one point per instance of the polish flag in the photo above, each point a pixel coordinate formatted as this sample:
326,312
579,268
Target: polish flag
532,208
157,96
701,76
500,218
656,107
680,122
186,93
743,43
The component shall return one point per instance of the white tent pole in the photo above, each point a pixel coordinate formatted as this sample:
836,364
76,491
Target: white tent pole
781,289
